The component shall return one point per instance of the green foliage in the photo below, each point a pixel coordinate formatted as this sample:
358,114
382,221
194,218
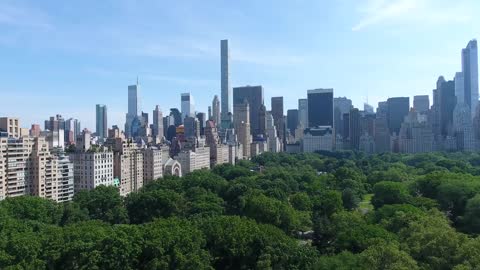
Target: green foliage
389,193
341,210
103,203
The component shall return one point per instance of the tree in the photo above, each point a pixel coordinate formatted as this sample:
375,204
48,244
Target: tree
103,203
32,208
386,257
471,220
144,207
389,193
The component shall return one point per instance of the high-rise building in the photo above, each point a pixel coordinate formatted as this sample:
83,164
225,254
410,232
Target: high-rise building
177,116
101,121
226,90
35,130
368,109
157,130
354,129
127,165
191,127
152,164
242,126
278,116
415,136
318,139
216,110
446,93
11,126
202,119
398,108
219,153
292,121
320,108
54,131
188,105
133,108
254,96
274,143
28,168
421,103
303,112
470,74
382,133
342,106
65,186
92,169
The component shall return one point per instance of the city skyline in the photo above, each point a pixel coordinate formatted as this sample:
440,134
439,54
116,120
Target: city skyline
38,72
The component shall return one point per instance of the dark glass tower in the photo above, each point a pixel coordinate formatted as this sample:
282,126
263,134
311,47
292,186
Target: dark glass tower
254,96
320,108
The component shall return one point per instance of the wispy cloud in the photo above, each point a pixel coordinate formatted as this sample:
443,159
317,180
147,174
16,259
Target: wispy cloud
22,16
411,11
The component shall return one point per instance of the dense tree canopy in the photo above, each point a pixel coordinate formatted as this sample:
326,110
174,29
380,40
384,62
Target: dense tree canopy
341,210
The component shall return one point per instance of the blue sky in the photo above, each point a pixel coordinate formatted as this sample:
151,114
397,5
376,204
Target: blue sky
63,57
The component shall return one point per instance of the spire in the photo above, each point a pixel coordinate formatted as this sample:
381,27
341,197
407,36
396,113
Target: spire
137,80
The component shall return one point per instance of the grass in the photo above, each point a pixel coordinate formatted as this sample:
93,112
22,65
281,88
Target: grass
366,204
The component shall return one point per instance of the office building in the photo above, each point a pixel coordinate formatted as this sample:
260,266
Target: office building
216,111
342,106
382,133
242,126
226,90
55,132
188,105
470,75
354,129
157,127
101,121
11,126
421,103
292,121
398,108
447,99
320,108
278,116
133,108
254,96
202,119
415,136
303,112
191,127
274,143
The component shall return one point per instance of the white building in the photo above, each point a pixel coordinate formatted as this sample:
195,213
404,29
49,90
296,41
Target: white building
194,160
92,169
318,139
152,164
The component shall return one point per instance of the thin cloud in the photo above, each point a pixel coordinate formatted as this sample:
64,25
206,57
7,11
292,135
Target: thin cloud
411,11
22,16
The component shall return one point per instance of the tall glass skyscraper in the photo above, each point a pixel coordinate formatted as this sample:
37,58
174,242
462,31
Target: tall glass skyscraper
320,108
133,105
398,108
226,90
188,105
470,75
101,117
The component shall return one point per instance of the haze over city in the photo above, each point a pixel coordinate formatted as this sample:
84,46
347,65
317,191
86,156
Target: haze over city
67,58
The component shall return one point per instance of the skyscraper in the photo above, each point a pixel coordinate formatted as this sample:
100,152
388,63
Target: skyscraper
292,121
421,103
447,104
398,108
341,106
470,73
101,117
216,111
188,105
320,108
278,116
157,123
254,97
132,108
225,83
354,129
202,120
303,112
